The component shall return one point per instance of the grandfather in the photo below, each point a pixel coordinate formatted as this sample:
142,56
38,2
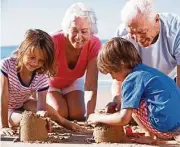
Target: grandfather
156,37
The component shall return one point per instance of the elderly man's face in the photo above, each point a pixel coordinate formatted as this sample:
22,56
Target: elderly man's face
143,30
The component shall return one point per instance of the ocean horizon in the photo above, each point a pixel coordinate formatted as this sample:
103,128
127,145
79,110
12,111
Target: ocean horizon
6,51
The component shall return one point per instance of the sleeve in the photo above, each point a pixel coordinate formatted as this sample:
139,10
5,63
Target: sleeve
94,48
4,66
177,48
132,90
43,83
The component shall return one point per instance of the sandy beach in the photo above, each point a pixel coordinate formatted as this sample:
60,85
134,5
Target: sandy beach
61,137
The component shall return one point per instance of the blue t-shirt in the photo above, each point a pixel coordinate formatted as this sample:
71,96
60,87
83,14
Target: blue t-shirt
159,91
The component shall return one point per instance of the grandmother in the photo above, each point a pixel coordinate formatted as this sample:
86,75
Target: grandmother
76,50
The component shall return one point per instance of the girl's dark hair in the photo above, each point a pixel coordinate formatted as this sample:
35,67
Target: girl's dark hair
36,39
116,54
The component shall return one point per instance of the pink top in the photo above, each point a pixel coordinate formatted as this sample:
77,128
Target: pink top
65,76
19,93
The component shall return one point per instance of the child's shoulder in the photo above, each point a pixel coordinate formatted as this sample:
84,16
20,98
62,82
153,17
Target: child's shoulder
140,73
8,60
11,59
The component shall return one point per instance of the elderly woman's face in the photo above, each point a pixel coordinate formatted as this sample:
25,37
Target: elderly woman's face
143,31
79,32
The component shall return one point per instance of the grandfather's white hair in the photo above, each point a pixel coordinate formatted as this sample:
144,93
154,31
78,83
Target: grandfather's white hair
134,7
79,10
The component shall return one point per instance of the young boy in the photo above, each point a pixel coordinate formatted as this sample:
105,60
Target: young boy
147,94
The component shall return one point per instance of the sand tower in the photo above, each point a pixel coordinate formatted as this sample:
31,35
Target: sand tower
32,127
107,133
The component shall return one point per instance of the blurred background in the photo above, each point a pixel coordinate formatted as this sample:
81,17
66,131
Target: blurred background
17,16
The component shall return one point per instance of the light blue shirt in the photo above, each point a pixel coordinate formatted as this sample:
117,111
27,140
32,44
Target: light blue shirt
159,91
164,54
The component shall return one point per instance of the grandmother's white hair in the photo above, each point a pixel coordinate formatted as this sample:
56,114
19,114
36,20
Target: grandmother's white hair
79,10
134,7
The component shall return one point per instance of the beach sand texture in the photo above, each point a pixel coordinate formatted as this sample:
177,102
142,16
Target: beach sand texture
32,127
61,137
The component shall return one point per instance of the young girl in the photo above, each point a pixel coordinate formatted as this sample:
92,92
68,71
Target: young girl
151,96
24,81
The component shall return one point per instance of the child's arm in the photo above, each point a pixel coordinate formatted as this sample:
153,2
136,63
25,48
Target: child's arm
121,118
41,100
4,96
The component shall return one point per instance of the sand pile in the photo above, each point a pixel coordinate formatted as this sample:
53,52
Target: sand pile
32,127
107,133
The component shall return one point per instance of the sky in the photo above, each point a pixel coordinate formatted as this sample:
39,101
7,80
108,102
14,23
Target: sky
17,16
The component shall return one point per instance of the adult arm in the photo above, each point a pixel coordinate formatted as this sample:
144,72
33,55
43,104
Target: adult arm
116,91
178,75
4,95
176,44
41,103
42,92
114,106
91,84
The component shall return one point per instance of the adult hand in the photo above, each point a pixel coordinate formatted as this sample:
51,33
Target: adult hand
7,132
78,128
112,107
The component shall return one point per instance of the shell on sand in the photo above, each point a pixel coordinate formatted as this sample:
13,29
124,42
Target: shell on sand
32,127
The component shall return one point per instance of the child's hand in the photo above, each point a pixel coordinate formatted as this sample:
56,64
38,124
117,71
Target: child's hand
112,107
7,132
93,118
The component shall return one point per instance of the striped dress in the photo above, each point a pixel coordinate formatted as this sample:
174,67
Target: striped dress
18,91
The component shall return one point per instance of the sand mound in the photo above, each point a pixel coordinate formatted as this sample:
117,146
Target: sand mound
32,127
107,133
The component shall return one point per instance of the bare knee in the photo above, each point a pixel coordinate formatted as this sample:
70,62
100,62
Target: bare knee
77,115
57,103
14,119
62,113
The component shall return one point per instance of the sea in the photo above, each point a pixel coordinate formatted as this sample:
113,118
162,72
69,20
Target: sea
7,51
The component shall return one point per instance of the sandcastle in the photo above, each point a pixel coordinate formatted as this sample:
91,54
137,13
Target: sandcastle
107,133
32,127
